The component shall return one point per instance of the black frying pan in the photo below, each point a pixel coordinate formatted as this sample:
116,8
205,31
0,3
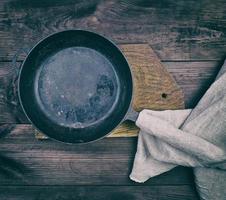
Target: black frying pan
76,86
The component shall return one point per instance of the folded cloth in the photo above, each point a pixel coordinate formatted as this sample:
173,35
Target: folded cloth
195,138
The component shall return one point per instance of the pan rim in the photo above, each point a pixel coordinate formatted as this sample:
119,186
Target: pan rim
90,32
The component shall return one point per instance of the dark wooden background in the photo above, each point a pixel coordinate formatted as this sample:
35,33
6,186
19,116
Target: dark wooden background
189,36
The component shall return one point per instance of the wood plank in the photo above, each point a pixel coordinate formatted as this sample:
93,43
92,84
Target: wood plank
98,193
193,77
9,102
177,30
24,160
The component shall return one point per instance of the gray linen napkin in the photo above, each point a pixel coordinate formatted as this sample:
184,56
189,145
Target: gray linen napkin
195,138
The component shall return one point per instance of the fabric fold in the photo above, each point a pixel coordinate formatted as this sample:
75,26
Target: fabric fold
181,140
195,138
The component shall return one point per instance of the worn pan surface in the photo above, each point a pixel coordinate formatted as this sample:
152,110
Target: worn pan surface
75,86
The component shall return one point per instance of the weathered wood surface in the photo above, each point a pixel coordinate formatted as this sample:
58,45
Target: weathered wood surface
24,160
177,30
183,31
98,193
194,78
154,88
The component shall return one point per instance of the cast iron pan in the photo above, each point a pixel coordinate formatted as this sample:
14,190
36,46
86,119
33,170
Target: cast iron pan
75,86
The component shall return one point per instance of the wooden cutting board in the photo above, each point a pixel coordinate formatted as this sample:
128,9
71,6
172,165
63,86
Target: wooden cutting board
154,87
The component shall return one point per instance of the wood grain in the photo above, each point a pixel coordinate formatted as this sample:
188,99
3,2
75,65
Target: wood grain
194,78
24,160
154,87
177,30
98,193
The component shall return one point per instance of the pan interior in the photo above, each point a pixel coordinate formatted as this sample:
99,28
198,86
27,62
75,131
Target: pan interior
77,87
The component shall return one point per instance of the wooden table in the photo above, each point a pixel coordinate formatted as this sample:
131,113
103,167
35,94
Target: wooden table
189,37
